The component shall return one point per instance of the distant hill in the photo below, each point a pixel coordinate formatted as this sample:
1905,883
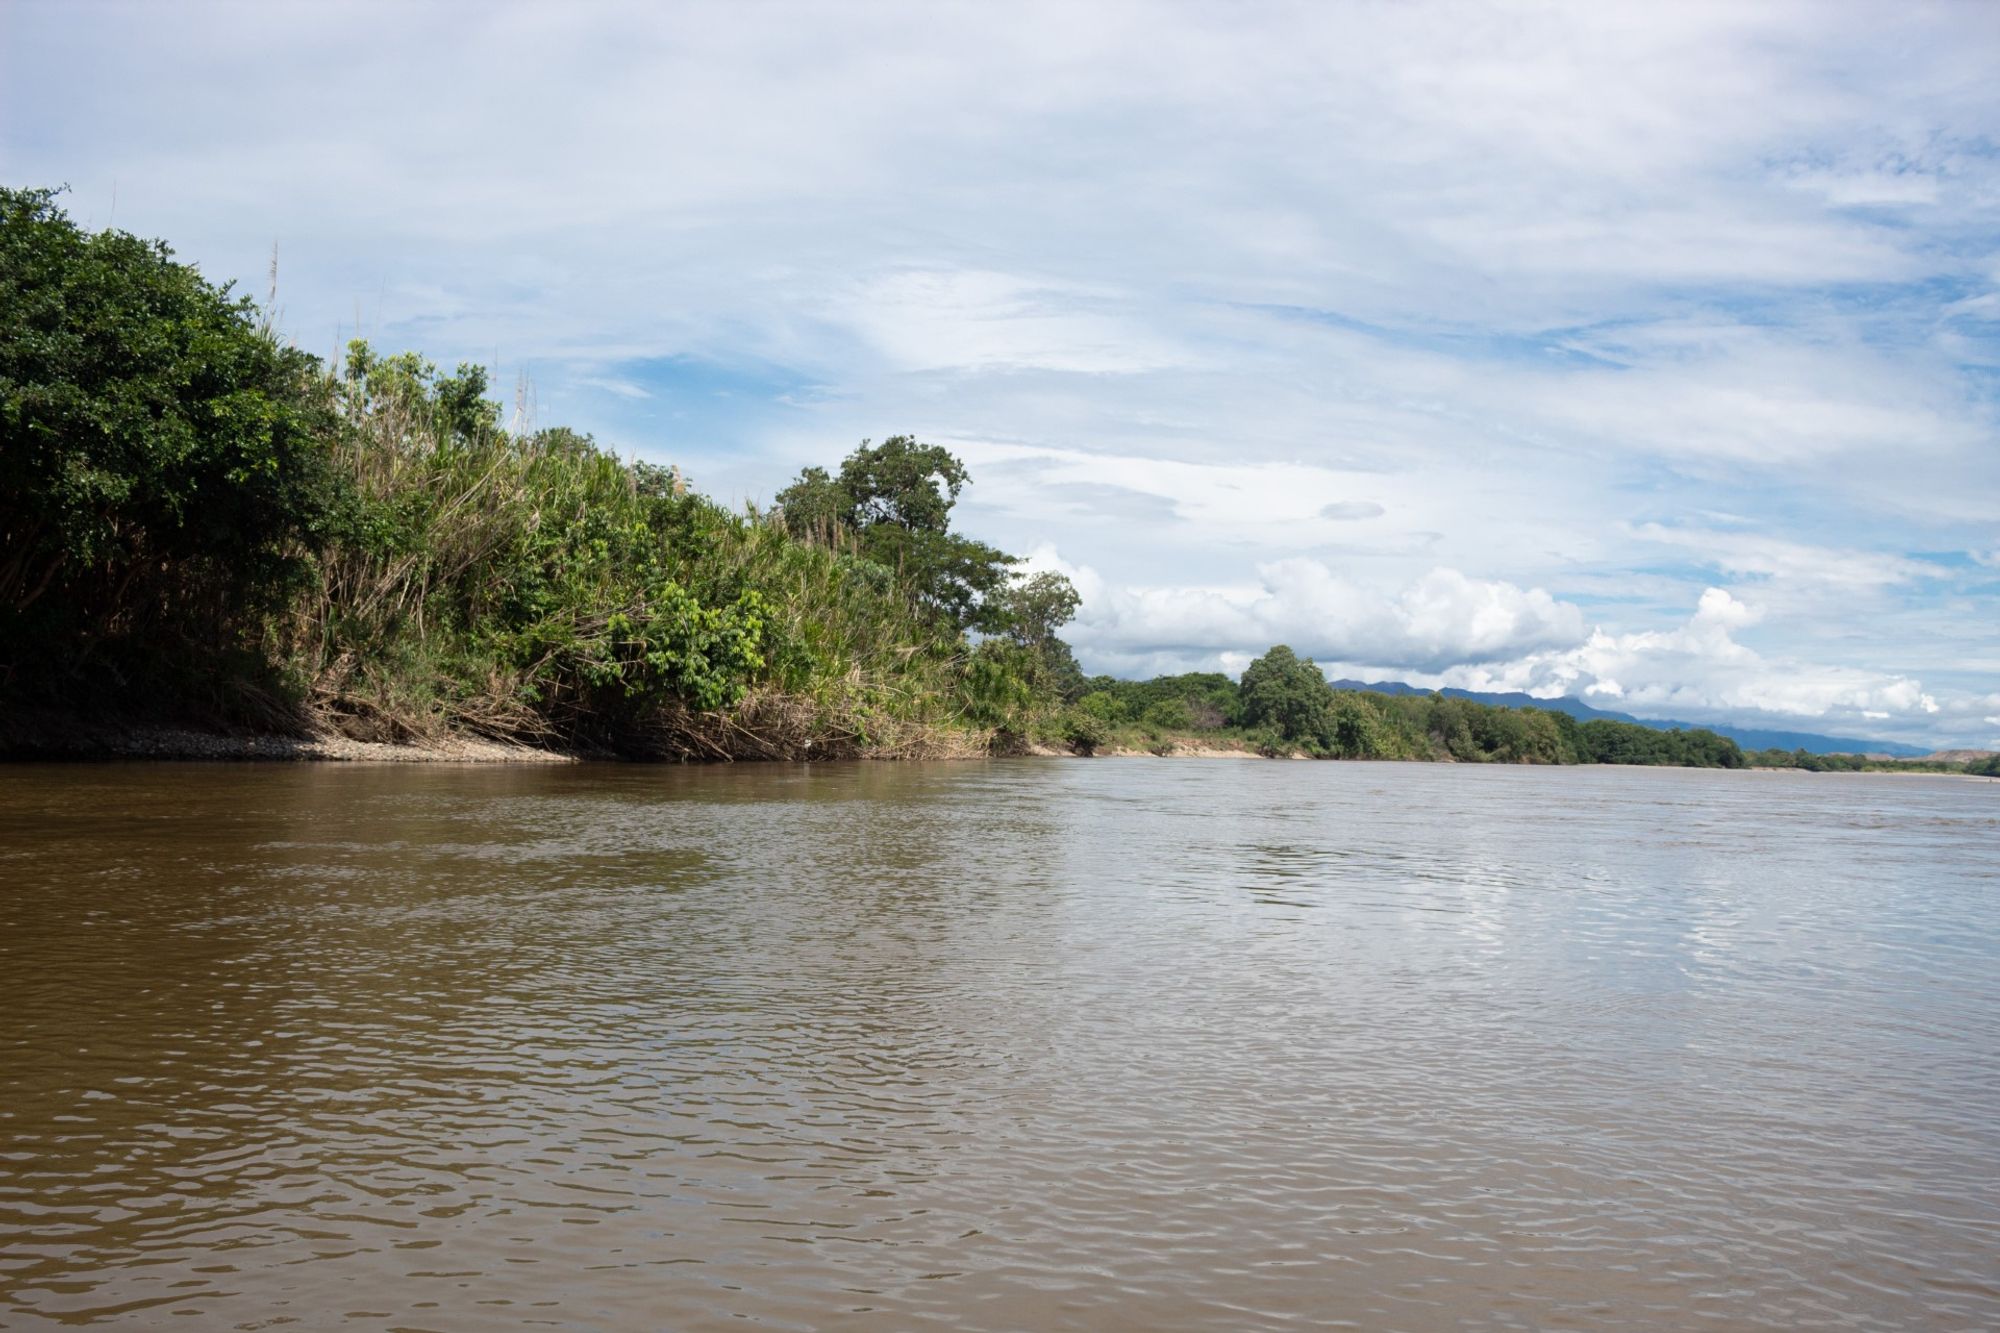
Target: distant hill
1750,738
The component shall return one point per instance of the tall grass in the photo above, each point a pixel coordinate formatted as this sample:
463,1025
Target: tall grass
533,587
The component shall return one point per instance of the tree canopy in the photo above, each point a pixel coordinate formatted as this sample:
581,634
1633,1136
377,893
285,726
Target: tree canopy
1288,694
893,502
159,470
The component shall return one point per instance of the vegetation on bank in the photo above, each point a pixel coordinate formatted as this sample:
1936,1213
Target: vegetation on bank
1988,767
201,525
1284,705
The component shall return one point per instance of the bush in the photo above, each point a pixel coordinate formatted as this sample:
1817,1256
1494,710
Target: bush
1104,706
1268,743
1082,732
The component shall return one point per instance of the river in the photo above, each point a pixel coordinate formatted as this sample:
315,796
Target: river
1120,1044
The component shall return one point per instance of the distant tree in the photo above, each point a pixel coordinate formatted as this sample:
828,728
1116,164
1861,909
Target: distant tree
1211,699
893,500
1030,610
1292,695
451,408
899,482
815,507
1607,742
1103,705
902,482
1352,731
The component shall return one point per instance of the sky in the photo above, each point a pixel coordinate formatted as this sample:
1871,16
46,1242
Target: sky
1644,353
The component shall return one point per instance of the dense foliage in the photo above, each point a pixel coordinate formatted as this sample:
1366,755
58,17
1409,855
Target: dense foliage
197,523
163,474
1285,705
1807,761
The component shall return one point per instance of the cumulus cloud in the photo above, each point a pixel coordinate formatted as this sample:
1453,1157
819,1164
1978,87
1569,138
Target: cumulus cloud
1440,620
1701,670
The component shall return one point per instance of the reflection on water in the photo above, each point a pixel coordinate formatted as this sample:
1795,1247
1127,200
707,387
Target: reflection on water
1123,1044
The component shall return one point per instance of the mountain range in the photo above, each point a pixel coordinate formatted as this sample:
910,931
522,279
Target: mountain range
1750,738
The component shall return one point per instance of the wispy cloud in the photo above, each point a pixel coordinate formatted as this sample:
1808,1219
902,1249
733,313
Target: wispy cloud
622,388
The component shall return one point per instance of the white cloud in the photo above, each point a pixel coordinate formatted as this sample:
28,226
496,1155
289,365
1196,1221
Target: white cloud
1345,511
1758,400
1700,670
622,388
958,319
1864,188
1440,620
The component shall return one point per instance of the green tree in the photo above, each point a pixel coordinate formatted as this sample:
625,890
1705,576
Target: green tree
1103,705
949,575
1292,695
815,507
1352,730
1029,611
893,501
901,482
161,468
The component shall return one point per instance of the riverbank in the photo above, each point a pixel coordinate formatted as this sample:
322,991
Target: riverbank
181,744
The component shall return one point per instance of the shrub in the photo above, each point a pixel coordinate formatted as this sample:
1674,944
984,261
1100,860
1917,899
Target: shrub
1082,731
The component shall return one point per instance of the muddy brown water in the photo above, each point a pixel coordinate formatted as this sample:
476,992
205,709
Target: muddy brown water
1126,1044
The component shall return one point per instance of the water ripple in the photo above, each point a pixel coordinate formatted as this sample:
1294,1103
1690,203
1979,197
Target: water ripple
998,1046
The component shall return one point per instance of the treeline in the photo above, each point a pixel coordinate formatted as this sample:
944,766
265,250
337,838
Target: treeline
200,524
1284,705
1988,767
